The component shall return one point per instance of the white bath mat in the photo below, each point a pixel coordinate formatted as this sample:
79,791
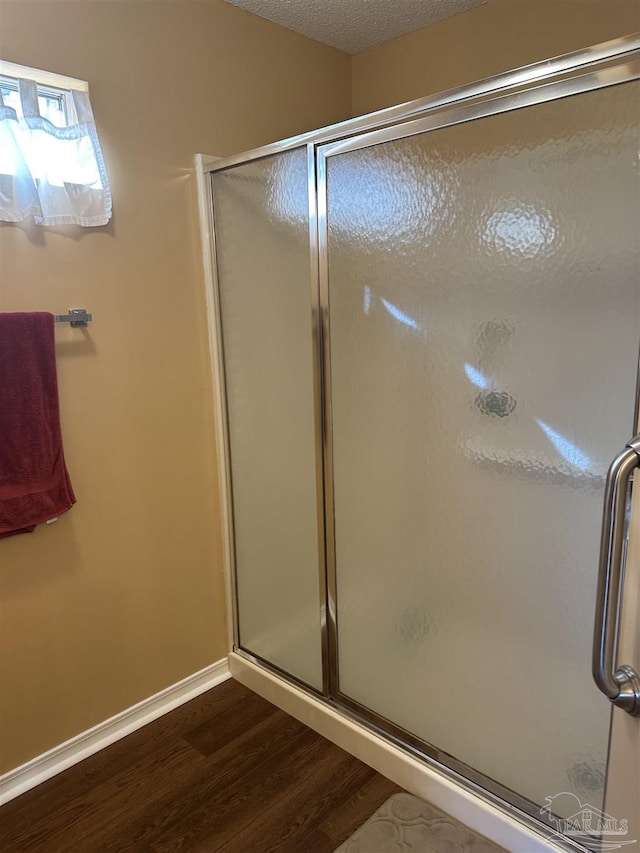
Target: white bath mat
406,824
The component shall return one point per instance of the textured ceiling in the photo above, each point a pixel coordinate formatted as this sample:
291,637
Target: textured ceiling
353,25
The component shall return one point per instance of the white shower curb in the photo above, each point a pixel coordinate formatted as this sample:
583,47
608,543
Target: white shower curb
410,773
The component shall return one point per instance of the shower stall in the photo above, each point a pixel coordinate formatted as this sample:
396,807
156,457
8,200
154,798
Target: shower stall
425,326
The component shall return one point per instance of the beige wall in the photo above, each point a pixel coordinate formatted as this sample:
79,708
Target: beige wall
124,595
487,40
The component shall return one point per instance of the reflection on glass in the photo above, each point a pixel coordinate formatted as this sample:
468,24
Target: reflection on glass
396,312
399,315
393,196
476,376
286,201
519,229
367,299
565,448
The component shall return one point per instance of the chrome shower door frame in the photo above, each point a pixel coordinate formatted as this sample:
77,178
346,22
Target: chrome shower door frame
628,69
611,63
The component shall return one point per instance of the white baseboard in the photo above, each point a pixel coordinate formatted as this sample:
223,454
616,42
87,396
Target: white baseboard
44,766
410,773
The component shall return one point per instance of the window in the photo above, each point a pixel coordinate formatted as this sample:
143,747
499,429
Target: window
55,104
51,164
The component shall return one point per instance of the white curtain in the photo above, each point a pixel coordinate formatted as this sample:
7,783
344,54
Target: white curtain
54,174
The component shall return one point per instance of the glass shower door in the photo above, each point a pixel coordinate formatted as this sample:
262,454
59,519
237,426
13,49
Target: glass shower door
481,273
261,211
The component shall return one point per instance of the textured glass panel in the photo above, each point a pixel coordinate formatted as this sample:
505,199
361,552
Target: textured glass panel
484,295
262,233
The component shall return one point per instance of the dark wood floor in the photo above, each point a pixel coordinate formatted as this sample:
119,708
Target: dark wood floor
225,772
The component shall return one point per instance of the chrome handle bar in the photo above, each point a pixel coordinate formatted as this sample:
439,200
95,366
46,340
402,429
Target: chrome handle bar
622,684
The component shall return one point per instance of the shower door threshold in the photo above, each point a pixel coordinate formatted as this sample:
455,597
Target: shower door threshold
405,762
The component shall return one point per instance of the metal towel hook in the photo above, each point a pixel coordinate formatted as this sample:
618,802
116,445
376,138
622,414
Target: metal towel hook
75,317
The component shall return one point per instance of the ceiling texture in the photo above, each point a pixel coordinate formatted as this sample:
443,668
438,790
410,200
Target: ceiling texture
354,25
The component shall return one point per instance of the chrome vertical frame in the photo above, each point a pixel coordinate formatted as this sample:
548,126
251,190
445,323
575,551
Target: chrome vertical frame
330,548
317,336
216,344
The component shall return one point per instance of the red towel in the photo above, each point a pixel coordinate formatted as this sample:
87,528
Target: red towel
34,482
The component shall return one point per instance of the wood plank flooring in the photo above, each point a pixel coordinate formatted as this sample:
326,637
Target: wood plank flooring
226,772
